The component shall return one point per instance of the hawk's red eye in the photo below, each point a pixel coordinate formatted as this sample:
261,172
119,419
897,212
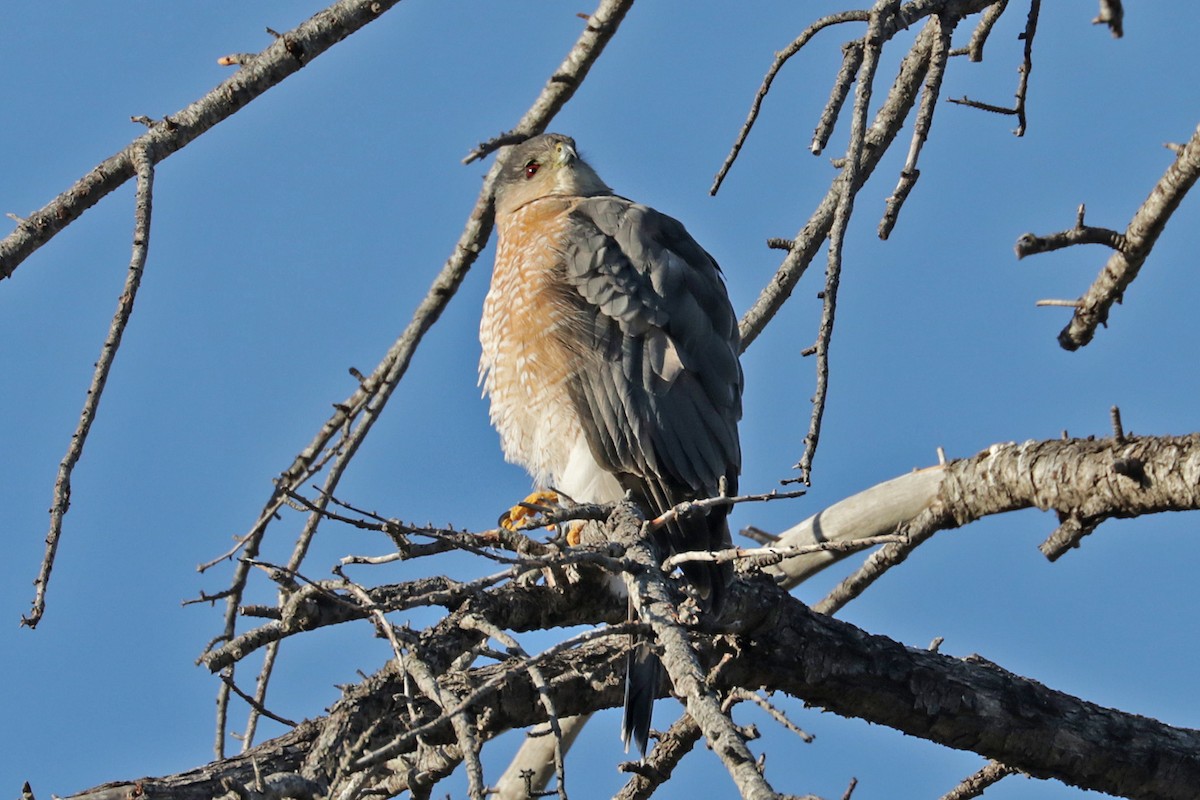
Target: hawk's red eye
531,169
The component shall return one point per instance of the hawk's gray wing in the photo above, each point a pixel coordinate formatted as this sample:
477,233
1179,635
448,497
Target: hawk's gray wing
659,388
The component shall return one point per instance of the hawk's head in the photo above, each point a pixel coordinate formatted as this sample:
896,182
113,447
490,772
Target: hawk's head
543,166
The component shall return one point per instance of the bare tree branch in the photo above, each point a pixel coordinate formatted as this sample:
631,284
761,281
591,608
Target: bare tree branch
975,785
1132,248
1086,481
650,596
1018,108
1119,477
979,37
656,768
888,122
287,55
929,97
849,183
143,202
781,58
877,511
451,689
1030,244
780,645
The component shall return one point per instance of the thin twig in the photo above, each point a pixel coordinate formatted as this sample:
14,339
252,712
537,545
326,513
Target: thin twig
250,700
849,184
143,162
601,27
1026,67
879,562
1026,64
772,711
888,122
694,506
1051,302
400,744
980,35
765,556
975,784
924,121
539,683
414,594
456,712
781,58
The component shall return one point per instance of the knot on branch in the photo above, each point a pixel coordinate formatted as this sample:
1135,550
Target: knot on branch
301,612
1132,468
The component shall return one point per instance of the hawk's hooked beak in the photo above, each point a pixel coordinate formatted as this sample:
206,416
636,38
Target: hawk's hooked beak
566,153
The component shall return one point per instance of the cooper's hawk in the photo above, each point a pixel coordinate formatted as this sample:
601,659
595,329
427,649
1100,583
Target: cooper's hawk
610,354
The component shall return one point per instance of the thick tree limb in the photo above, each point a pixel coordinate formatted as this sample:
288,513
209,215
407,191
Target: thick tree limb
877,511
780,645
1084,479
1087,481
1029,727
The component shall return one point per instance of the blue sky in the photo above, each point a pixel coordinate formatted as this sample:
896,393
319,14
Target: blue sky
295,239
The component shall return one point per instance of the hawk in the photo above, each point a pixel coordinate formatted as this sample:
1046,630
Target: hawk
610,357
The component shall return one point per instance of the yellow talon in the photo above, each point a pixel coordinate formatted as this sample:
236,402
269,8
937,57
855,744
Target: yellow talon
528,509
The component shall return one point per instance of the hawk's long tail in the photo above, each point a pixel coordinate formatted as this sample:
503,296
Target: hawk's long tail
643,672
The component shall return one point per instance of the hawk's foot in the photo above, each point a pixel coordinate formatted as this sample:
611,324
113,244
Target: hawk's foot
525,512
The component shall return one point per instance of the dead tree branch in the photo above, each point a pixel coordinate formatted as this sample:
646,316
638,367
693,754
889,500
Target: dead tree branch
1130,249
780,645
1086,481
975,785
1030,244
143,201
1018,108
650,594
1111,478
880,134
849,183
289,53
